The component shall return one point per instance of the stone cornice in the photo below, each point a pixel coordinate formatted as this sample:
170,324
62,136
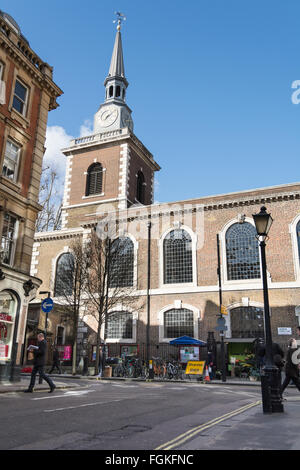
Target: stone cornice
201,204
21,53
115,136
58,234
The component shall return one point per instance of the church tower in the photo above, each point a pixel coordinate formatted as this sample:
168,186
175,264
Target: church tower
111,167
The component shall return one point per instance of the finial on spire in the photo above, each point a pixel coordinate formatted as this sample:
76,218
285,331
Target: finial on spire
120,18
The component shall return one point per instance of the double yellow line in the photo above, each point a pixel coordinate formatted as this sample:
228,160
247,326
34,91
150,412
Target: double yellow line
193,432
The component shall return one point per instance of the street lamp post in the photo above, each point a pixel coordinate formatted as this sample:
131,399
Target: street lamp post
270,376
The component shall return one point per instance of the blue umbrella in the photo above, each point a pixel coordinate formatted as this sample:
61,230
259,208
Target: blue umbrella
186,340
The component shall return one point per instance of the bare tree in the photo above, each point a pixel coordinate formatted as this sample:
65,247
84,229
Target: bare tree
70,285
110,282
50,198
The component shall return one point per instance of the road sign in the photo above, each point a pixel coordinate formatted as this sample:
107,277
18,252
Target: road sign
221,324
194,367
221,328
47,305
224,310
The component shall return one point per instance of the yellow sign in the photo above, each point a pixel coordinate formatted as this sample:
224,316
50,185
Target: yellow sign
195,367
224,310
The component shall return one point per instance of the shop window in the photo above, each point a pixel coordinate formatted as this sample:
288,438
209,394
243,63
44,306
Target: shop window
121,263
9,237
20,98
242,252
64,275
11,161
119,325
247,322
60,335
178,322
178,263
8,309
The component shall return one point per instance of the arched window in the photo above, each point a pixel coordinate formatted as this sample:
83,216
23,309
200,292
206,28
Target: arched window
140,187
298,238
119,325
242,252
111,91
177,253
64,275
118,91
178,322
94,179
247,322
121,269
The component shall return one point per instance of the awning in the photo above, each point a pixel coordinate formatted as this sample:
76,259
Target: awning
187,340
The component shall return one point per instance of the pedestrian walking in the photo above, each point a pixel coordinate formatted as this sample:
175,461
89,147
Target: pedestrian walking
291,367
38,364
55,363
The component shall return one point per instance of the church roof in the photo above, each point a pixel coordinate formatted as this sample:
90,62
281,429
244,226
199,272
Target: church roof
117,64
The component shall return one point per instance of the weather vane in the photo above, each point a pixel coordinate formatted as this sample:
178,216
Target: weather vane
120,18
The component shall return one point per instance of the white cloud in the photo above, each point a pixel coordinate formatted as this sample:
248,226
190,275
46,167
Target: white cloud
56,139
86,128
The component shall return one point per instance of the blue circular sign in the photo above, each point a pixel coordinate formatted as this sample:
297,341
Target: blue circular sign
47,305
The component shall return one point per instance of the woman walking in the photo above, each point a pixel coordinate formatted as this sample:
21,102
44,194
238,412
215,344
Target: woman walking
291,368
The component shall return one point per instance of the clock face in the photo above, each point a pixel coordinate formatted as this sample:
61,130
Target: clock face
108,117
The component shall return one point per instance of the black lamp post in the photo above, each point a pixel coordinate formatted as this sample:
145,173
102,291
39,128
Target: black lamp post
270,377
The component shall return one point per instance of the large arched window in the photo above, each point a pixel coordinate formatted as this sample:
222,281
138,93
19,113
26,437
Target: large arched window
178,322
64,275
121,269
242,252
140,187
298,238
247,322
94,179
119,325
177,253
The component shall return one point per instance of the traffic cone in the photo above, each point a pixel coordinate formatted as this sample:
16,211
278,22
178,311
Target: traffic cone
206,378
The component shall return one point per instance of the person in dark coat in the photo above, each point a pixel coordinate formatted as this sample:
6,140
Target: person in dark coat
291,368
38,364
277,354
55,363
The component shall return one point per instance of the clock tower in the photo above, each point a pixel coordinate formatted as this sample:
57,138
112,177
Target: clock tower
114,112
110,169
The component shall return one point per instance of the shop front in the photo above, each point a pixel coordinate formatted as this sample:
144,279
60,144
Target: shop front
9,316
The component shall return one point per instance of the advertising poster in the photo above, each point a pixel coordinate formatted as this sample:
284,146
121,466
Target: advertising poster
189,353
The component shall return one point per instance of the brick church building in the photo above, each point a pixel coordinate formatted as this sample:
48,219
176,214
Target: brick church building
112,172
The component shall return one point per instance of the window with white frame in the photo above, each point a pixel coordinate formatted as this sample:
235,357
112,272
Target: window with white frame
64,275
177,255
120,325
242,252
178,322
11,161
20,97
121,272
9,236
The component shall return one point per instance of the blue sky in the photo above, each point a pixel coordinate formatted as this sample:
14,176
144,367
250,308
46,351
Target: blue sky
210,83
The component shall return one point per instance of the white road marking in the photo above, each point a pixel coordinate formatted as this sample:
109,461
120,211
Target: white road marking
82,406
72,393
